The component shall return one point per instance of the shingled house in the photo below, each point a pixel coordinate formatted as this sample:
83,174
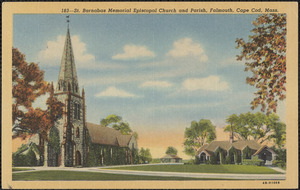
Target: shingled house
235,152
171,159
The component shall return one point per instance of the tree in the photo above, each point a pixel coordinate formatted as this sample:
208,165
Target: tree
278,130
258,126
145,156
171,151
265,55
197,134
28,84
117,123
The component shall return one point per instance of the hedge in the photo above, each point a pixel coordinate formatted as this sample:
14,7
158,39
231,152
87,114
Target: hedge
253,161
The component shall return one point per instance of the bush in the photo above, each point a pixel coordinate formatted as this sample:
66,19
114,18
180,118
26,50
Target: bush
279,163
213,159
190,162
254,161
228,159
155,160
197,160
28,159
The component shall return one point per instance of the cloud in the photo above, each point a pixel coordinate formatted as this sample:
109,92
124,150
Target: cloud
186,47
211,83
51,56
133,52
114,92
162,84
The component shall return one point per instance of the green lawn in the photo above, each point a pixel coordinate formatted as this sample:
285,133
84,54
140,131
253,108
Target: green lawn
238,169
72,175
21,169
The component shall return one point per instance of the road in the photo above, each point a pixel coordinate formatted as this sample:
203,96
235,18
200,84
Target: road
166,174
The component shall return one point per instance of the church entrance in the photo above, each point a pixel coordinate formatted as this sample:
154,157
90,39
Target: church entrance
77,158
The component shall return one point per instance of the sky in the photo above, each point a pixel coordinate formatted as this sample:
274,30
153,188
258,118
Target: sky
158,72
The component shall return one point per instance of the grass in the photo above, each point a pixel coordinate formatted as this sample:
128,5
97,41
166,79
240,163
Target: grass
237,169
74,175
21,169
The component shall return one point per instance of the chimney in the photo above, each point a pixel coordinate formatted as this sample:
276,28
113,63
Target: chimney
231,135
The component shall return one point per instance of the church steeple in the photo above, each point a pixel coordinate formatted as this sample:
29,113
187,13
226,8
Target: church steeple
67,72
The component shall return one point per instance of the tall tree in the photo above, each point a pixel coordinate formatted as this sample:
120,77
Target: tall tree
197,134
259,127
277,130
28,84
117,123
265,55
171,151
145,156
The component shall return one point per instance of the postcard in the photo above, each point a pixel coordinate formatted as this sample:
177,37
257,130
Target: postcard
159,95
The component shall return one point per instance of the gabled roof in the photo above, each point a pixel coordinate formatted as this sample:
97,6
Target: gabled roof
240,145
107,136
124,140
262,148
226,145
171,156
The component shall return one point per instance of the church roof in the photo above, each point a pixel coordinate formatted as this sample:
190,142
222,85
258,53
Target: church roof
226,145
107,136
67,72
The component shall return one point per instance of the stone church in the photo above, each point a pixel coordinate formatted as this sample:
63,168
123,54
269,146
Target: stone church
74,135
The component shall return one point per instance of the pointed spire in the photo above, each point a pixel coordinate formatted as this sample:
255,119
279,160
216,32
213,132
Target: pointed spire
67,72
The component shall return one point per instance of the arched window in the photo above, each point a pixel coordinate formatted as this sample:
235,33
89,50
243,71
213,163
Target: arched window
77,132
78,111
75,111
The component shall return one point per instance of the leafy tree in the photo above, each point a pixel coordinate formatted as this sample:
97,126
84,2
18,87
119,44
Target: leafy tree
171,151
145,156
259,127
278,130
110,119
28,84
117,123
197,134
265,55
135,135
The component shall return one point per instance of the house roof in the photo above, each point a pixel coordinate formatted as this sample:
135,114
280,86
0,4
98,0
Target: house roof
226,145
107,136
171,156
262,148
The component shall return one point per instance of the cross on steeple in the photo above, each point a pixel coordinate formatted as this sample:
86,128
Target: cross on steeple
68,19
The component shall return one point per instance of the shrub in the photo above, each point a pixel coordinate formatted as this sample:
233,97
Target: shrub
213,159
190,162
155,160
279,163
197,160
228,159
28,159
253,161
